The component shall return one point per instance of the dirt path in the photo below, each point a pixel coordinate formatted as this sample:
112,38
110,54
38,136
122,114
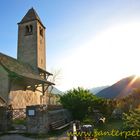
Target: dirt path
19,137
14,137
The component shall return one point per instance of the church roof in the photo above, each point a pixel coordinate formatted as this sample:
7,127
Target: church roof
19,69
30,16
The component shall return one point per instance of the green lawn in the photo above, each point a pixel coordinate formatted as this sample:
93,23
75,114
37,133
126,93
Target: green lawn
108,126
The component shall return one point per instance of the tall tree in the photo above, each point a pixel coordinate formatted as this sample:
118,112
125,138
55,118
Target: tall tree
78,101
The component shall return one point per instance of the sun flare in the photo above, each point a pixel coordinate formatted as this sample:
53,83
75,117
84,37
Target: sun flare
105,58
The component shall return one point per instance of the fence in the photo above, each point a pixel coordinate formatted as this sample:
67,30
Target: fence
19,113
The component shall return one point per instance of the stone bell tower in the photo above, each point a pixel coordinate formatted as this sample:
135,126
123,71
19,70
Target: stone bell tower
31,41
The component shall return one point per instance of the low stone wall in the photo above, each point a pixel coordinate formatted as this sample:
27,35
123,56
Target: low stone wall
39,118
54,107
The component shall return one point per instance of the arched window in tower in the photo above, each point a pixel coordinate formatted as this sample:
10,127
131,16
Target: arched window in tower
28,29
31,29
41,31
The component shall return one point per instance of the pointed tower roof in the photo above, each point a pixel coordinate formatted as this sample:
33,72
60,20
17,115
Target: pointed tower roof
30,16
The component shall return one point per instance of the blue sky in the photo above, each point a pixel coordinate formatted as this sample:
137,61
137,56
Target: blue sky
92,41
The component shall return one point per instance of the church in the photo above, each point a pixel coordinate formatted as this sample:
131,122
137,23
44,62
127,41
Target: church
24,81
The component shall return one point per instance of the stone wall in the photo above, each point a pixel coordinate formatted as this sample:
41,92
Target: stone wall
39,118
27,44
41,47
21,99
31,47
4,84
5,119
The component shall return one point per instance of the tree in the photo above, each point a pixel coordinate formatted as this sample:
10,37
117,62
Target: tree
57,75
78,101
132,119
132,101
105,106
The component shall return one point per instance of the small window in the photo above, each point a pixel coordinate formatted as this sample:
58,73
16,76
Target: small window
31,29
28,29
41,31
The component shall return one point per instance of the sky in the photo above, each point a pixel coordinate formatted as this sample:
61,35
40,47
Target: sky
91,42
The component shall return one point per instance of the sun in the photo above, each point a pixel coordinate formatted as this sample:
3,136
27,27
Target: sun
133,80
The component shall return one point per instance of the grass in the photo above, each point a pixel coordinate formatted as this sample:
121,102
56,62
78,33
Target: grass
112,124
19,121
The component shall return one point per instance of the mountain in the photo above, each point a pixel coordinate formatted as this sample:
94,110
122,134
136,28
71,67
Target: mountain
97,89
55,90
121,89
